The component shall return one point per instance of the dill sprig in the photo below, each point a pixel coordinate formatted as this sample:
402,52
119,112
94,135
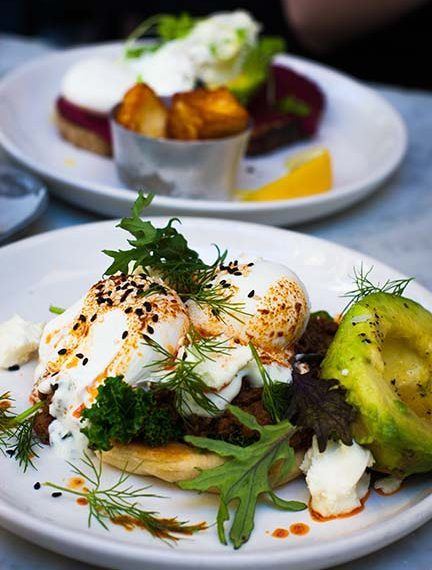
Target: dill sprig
16,432
206,347
166,253
179,374
364,286
118,503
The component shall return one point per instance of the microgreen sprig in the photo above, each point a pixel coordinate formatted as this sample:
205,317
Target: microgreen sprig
166,253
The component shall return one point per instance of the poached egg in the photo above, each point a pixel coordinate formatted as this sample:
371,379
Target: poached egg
100,336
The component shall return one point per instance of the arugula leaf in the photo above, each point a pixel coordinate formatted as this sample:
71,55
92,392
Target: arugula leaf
122,413
320,405
245,476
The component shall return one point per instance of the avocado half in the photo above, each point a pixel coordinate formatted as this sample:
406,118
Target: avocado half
382,355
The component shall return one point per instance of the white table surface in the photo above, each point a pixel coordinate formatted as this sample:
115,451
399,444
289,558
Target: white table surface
394,225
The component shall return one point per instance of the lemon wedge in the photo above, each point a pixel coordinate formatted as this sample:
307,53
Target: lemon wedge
310,172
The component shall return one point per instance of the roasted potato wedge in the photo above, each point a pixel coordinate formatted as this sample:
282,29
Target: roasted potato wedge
142,111
205,114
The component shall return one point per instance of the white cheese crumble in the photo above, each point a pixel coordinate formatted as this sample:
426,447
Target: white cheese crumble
388,485
19,341
337,478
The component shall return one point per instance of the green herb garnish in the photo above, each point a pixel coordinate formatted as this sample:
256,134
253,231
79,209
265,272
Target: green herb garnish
120,500
268,393
166,253
364,286
16,432
179,375
56,310
166,27
246,474
122,413
294,106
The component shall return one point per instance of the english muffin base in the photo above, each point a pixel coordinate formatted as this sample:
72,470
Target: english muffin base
177,462
82,137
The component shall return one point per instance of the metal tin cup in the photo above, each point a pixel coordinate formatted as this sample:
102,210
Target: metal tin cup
204,169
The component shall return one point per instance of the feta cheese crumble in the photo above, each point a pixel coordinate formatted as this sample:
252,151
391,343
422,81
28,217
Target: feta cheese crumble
19,341
337,478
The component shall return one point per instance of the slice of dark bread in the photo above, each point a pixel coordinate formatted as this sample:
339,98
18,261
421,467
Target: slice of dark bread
274,127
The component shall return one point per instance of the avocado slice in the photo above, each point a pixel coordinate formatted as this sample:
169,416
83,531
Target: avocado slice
382,355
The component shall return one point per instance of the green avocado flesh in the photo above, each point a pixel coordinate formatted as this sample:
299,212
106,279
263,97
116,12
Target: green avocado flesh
382,355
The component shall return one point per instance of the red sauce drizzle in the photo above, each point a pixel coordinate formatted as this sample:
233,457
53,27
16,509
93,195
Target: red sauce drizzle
299,529
280,533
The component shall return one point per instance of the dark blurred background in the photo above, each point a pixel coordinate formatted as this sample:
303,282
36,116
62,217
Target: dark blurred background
377,40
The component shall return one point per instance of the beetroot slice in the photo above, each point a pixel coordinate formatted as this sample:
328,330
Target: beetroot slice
273,127
96,122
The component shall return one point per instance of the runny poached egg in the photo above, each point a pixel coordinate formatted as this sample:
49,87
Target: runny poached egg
100,336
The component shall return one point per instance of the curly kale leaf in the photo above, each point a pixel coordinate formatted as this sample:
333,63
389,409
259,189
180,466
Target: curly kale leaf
244,477
320,405
122,413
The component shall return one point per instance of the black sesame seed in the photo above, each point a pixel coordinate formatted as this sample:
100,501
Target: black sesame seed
37,486
150,329
62,351
238,273
251,294
139,312
13,368
10,452
226,285
236,262
82,318
222,282
110,302
94,317
124,335
147,306
56,494
84,362
251,264
128,310
76,325
54,387
79,355
155,318
125,295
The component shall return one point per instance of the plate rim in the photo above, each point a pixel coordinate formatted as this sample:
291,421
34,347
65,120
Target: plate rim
194,205
338,550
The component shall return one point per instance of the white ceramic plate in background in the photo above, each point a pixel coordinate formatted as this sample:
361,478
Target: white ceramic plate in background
365,135
59,267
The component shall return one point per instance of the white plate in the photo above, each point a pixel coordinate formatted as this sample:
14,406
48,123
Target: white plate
59,266
365,135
